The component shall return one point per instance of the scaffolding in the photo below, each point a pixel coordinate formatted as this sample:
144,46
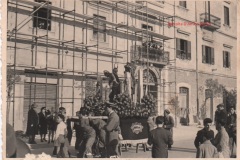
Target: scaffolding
64,48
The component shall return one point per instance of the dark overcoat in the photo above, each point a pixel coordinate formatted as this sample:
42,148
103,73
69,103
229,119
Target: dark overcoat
52,122
112,130
32,122
221,115
42,123
160,138
169,123
200,137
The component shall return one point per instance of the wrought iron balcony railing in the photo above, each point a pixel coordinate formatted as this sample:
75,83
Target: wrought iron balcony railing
209,21
144,53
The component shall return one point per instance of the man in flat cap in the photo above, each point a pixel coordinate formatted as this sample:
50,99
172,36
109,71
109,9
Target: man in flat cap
112,129
200,134
168,123
220,113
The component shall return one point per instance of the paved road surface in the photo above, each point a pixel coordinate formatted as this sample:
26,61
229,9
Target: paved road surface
183,145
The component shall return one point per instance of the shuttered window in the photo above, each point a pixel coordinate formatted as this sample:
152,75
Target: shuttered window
226,16
99,28
150,28
43,96
183,49
226,59
207,55
42,17
183,4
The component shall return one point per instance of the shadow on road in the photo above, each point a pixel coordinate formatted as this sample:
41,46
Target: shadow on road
178,149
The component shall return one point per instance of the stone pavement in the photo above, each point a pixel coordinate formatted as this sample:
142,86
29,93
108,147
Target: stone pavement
183,146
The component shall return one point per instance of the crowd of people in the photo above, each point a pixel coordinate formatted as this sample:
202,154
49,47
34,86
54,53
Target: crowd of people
93,136
221,145
207,144
96,137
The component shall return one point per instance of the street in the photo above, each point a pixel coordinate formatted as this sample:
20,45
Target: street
183,146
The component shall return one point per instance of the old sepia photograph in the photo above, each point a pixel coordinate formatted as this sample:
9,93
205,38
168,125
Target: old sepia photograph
120,79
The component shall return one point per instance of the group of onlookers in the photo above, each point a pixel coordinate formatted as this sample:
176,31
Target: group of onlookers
207,144
42,123
94,137
98,137
221,145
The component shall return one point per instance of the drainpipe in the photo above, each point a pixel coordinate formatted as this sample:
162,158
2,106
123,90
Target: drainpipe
196,58
209,12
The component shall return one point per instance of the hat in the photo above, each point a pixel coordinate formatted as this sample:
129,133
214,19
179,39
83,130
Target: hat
43,108
220,105
61,108
33,105
207,120
109,104
167,111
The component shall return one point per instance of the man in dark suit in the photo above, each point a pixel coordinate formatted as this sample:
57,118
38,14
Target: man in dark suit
112,129
32,124
220,114
200,134
168,123
160,138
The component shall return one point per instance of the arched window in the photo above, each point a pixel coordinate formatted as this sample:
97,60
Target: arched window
150,82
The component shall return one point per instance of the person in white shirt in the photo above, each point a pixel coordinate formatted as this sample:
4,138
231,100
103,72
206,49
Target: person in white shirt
60,138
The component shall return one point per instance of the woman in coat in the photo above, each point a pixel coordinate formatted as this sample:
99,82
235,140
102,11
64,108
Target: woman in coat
221,140
43,124
52,125
32,124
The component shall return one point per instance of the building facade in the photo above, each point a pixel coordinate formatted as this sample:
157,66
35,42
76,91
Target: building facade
59,49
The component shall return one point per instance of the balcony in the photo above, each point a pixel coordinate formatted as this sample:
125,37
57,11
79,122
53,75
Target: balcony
209,22
157,57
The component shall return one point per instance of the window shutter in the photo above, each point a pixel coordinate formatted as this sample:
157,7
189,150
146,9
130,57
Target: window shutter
226,15
203,54
229,60
212,56
188,50
178,51
224,59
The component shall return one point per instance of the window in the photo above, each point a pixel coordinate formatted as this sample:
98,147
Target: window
226,16
183,4
183,49
207,55
184,101
161,2
42,18
226,59
150,28
99,28
208,93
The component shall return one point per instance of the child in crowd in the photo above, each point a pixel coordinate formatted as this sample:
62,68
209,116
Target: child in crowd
207,149
61,140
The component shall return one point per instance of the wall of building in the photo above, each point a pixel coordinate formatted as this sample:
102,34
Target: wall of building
63,57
